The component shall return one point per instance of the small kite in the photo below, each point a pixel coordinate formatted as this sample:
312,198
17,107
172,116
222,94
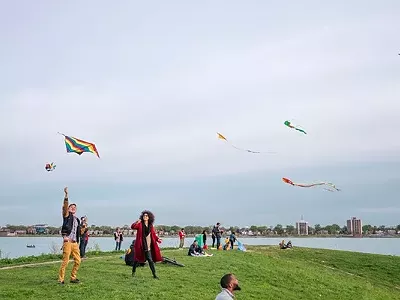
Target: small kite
221,137
50,167
288,181
289,124
79,146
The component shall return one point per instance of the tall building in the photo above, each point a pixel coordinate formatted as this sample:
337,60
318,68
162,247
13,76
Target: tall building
354,226
302,227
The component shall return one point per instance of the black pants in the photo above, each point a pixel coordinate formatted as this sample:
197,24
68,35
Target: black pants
151,263
213,239
231,241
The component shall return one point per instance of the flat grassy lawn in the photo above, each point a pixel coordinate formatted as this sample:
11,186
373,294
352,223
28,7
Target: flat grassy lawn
263,273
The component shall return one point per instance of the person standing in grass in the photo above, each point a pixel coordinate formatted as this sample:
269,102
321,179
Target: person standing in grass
70,232
118,237
146,244
229,285
182,238
205,239
217,233
232,239
84,237
213,238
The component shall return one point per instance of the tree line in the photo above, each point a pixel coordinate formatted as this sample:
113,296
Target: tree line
263,230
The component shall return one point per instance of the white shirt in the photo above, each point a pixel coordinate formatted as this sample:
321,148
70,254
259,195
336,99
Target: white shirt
225,295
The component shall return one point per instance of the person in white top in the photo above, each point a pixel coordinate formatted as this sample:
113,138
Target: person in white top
229,284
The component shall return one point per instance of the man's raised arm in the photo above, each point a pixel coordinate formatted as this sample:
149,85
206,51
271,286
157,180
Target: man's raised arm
65,206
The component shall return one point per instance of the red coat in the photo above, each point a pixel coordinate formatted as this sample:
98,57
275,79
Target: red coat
139,252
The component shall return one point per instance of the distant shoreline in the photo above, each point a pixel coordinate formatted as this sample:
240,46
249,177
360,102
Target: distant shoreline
239,236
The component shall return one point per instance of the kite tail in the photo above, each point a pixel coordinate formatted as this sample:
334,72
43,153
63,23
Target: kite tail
301,130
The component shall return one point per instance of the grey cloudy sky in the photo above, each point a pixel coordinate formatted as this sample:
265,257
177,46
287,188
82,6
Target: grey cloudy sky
152,82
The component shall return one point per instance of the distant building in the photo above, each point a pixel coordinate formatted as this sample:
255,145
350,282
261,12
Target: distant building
354,226
302,227
4,232
38,229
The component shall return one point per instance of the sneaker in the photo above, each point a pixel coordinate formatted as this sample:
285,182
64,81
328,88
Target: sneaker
74,280
61,282
155,277
133,274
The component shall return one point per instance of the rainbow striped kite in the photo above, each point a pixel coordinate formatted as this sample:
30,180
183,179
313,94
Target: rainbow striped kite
79,146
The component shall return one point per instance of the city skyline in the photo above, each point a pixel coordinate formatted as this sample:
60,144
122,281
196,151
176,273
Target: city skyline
346,224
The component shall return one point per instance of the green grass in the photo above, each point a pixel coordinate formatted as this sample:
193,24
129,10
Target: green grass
263,273
48,257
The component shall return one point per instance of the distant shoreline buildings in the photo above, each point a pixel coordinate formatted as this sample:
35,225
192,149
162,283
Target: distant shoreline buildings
302,227
352,228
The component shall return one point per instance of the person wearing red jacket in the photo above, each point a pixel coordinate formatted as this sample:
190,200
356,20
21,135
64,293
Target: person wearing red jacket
146,247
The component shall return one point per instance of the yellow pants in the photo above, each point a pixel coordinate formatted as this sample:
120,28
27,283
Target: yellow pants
68,249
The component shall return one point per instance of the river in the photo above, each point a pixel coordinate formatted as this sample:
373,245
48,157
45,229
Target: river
13,247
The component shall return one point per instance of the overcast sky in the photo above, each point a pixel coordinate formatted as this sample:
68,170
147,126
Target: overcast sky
150,83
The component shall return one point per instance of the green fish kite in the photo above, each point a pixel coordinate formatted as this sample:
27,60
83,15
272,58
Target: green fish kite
288,124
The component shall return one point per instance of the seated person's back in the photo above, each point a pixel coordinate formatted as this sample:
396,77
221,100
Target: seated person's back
129,254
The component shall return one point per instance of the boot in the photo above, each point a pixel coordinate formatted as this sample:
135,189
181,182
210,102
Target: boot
134,268
153,269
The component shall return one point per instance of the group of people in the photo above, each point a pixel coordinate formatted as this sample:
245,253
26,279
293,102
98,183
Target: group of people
75,230
75,236
216,235
282,245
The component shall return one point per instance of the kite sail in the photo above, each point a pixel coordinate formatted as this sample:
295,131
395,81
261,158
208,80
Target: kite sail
241,247
50,167
79,146
333,187
290,125
221,137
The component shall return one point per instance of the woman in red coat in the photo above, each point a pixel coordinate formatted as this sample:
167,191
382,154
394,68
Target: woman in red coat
146,247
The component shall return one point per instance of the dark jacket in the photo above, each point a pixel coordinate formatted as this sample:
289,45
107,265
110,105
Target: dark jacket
121,237
68,222
194,249
217,232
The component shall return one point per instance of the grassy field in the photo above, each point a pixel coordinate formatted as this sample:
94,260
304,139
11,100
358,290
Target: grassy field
263,273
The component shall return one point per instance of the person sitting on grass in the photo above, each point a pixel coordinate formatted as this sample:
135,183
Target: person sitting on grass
130,255
282,245
195,249
226,246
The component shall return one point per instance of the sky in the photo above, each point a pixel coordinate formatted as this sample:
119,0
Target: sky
151,83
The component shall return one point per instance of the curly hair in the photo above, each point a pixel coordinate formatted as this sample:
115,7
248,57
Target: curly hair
150,214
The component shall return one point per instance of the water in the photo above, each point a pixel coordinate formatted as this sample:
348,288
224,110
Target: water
13,247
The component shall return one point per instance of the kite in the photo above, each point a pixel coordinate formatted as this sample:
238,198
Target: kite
50,167
288,124
221,137
79,146
288,181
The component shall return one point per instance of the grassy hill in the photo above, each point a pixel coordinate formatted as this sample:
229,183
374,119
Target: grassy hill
263,273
